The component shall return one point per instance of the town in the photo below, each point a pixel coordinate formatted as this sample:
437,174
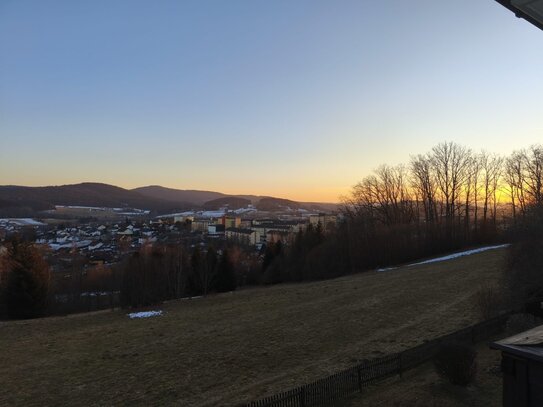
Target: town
81,244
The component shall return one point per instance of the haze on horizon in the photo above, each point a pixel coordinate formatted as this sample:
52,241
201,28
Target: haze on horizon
293,99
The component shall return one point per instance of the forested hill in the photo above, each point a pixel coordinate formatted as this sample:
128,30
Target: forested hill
85,194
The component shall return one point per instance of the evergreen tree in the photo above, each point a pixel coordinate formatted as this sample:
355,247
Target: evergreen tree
226,275
194,286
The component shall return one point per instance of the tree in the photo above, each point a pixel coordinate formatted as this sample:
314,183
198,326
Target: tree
524,277
424,185
26,290
203,271
226,275
272,264
144,280
451,164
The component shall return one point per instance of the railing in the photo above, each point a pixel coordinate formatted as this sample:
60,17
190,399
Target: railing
342,384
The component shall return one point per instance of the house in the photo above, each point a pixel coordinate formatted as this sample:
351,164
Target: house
522,367
530,10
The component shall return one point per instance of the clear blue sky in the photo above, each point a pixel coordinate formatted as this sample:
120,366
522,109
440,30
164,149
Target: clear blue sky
293,98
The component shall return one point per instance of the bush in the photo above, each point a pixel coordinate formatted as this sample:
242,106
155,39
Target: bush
489,301
456,363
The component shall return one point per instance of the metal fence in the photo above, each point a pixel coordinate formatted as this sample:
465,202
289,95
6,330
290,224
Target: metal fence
347,382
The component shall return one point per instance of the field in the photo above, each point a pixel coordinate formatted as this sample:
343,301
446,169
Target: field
233,347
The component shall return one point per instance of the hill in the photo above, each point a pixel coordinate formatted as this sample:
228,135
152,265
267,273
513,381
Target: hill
20,201
276,204
201,198
233,347
84,194
179,195
232,202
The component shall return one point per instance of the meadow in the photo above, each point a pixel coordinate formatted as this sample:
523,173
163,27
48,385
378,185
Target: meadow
229,348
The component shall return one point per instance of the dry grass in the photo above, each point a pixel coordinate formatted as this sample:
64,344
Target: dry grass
422,387
234,347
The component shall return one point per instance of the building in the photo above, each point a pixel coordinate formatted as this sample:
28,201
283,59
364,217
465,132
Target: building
200,225
530,10
182,219
326,221
522,367
273,236
230,221
244,236
216,229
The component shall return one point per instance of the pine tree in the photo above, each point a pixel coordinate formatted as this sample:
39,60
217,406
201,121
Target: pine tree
226,275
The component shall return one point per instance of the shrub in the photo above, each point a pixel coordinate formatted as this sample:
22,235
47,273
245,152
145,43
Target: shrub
489,301
456,363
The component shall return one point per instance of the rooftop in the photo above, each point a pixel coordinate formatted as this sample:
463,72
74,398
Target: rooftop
527,344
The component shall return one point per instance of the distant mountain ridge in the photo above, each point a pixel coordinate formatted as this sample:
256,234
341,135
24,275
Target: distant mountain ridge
179,195
19,200
14,197
205,197
231,202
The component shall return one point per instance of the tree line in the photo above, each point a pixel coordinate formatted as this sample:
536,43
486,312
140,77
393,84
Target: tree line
445,199
158,273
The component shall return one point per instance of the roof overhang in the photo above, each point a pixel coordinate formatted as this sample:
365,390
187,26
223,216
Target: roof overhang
528,344
530,10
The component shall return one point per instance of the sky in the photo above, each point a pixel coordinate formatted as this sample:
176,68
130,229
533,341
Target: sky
292,98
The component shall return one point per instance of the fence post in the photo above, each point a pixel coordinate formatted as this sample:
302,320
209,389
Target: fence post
302,396
359,378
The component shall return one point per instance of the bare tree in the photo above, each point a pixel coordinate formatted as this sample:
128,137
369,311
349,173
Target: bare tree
491,166
451,165
533,173
424,185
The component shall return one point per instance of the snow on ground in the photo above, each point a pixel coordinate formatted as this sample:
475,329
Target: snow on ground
212,214
95,293
145,314
173,215
450,256
78,244
22,221
241,211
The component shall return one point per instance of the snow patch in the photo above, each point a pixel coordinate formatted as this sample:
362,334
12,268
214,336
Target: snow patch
145,314
22,221
460,254
450,256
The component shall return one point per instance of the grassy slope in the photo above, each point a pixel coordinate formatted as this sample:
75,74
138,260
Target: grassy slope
233,347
